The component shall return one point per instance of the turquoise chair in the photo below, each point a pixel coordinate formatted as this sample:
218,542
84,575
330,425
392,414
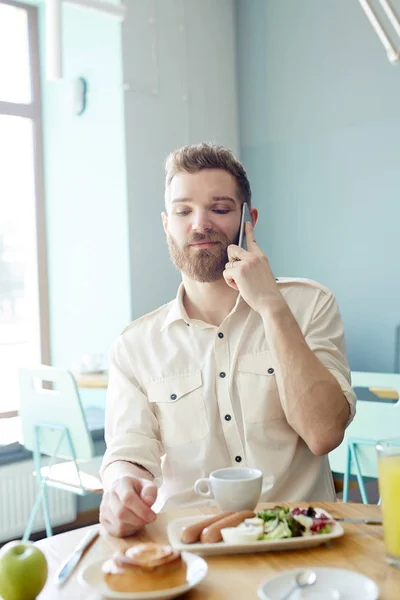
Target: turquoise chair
374,421
54,425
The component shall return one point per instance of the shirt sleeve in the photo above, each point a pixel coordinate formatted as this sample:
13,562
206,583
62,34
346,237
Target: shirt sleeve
131,428
325,337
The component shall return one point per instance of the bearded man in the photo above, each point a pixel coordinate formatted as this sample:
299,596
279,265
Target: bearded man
240,369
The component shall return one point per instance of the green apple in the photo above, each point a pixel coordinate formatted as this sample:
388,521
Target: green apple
23,571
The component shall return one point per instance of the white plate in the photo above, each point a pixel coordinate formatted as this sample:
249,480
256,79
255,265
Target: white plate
92,576
331,584
296,543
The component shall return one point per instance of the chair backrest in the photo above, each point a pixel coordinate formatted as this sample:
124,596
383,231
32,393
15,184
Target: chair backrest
57,403
374,420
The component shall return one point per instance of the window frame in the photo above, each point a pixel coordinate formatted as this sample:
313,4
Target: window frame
33,111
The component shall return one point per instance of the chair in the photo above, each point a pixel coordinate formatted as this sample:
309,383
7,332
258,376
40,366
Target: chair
374,421
54,424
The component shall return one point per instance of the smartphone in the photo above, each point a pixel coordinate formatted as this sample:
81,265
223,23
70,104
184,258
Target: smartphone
246,216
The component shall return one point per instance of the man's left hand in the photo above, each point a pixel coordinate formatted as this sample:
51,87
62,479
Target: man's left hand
248,271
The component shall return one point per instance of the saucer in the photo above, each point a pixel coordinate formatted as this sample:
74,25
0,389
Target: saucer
331,584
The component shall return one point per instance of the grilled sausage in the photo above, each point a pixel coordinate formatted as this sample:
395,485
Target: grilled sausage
212,533
191,533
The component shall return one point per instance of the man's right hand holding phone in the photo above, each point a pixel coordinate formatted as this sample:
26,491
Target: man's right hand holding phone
126,506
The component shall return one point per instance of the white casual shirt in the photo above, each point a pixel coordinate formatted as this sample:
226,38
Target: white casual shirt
186,398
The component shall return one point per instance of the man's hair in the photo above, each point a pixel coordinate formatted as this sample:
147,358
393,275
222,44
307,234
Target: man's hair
196,157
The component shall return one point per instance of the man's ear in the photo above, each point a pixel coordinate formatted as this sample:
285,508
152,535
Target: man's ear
254,215
164,218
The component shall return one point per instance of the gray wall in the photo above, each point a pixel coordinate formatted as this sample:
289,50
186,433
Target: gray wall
319,133
179,61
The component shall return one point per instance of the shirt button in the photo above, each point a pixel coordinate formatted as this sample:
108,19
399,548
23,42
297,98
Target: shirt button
173,396
238,458
228,417
222,374
270,370
220,335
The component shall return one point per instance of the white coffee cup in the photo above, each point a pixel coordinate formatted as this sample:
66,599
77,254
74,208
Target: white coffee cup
91,363
233,488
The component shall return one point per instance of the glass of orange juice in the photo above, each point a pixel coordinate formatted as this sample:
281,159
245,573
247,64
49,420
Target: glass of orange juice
389,489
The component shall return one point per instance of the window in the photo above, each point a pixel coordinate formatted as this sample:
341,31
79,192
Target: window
23,282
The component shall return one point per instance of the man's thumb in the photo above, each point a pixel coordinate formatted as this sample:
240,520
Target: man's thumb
149,493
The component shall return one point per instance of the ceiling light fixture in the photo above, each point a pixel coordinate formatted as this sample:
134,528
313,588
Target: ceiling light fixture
393,53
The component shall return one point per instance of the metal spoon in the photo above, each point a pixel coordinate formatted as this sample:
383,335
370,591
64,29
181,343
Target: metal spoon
303,579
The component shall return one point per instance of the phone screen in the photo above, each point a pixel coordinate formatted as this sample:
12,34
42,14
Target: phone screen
246,216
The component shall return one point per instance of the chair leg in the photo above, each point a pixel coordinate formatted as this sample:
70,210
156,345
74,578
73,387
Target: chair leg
40,500
360,479
46,512
346,477
32,517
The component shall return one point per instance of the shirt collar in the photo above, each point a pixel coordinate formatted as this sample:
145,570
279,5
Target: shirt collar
177,312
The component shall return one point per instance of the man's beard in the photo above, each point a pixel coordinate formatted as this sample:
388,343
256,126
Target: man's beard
201,264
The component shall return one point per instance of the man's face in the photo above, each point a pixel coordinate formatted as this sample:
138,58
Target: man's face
202,220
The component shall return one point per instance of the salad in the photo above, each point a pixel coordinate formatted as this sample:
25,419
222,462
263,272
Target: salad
281,522
278,523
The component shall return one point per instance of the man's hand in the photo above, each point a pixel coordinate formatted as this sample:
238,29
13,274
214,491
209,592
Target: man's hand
126,506
249,272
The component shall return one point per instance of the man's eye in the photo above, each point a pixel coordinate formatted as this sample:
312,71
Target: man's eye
182,213
221,211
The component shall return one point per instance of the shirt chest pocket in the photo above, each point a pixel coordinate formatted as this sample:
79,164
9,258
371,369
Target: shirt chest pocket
258,391
180,408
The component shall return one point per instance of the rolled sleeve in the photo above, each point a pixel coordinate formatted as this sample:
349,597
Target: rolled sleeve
131,428
325,337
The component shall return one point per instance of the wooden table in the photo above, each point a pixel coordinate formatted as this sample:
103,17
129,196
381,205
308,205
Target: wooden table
100,381
385,393
93,381
237,577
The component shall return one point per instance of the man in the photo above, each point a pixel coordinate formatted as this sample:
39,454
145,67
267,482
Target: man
240,369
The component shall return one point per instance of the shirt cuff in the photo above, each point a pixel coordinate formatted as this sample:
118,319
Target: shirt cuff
121,468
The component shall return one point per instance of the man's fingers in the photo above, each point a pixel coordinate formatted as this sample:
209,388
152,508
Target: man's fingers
237,253
129,495
121,513
116,518
251,243
234,264
227,275
118,528
125,509
149,493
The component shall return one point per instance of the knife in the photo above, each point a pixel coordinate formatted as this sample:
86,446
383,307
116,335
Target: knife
360,521
69,565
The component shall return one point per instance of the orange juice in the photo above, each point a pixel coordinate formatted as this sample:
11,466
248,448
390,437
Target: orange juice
389,487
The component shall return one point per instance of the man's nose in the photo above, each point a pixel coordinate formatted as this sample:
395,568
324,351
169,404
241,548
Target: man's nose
201,222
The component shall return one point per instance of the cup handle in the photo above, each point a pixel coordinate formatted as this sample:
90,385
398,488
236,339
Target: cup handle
201,483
